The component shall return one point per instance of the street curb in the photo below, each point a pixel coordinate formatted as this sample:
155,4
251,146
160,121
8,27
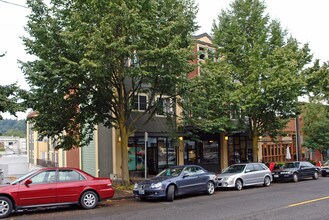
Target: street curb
123,194
123,197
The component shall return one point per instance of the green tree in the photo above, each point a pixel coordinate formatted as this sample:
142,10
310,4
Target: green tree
11,99
207,105
95,57
265,63
318,80
316,131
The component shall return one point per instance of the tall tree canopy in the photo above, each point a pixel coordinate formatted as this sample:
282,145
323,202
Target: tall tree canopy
318,80
265,65
316,130
94,57
11,99
207,105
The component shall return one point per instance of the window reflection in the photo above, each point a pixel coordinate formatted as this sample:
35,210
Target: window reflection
210,152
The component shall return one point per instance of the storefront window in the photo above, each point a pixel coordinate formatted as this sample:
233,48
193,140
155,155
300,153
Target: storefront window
239,149
230,151
210,152
162,153
190,153
171,154
136,154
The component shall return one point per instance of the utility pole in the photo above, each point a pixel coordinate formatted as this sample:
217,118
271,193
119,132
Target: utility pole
145,154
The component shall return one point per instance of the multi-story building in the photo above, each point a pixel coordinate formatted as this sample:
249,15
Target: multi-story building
103,158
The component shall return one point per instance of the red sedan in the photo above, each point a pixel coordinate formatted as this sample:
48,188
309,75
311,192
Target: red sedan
53,187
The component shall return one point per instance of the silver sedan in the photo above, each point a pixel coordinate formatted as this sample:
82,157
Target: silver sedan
247,174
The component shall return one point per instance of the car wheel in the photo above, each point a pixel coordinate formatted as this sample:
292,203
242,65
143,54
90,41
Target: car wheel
238,184
324,174
89,200
210,188
267,181
295,177
171,193
315,175
6,207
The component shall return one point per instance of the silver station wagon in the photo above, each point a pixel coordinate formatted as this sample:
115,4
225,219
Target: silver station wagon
245,174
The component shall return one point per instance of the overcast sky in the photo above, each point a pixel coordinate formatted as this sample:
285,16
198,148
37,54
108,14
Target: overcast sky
306,20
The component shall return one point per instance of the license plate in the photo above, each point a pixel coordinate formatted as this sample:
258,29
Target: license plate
141,192
276,175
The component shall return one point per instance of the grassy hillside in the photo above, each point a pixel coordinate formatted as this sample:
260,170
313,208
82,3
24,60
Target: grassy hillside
10,127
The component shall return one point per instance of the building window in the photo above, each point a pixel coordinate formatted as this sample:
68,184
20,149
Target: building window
202,53
140,102
211,54
165,106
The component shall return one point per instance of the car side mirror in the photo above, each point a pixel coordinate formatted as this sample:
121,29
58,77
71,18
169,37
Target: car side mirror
28,182
186,174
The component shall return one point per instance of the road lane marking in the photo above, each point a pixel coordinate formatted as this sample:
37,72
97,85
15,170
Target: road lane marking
308,201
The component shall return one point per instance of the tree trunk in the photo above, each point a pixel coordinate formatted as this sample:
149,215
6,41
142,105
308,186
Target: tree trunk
254,147
124,156
254,141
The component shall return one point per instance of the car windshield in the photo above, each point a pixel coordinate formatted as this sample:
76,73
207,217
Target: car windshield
291,165
326,163
234,169
20,179
174,171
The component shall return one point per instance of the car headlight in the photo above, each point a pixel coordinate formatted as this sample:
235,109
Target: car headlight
225,178
156,185
135,186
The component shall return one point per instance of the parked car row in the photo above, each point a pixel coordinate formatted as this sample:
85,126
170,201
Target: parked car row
188,179
63,186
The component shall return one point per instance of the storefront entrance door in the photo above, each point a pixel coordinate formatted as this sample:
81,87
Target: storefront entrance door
152,160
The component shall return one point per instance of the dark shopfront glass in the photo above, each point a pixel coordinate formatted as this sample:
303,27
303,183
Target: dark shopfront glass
190,153
201,153
239,149
210,152
160,154
166,153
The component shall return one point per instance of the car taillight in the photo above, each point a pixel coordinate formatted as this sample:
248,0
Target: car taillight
109,183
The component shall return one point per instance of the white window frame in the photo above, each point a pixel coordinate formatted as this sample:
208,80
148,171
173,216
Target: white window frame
139,103
166,109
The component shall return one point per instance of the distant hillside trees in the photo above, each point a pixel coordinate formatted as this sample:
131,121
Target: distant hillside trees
10,127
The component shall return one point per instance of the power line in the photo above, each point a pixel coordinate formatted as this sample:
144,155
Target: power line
13,4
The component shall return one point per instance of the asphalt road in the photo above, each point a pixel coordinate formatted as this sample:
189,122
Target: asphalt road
307,199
